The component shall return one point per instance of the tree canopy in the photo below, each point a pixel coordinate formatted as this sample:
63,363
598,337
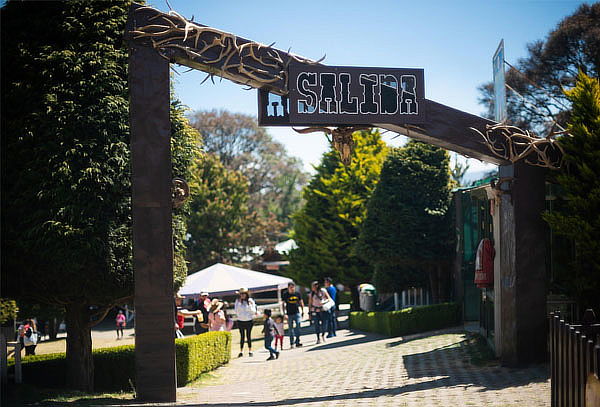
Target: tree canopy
407,234
578,215
328,224
551,65
275,179
66,205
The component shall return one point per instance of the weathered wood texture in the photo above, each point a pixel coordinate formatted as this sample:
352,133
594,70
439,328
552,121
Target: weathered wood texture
449,128
522,266
152,224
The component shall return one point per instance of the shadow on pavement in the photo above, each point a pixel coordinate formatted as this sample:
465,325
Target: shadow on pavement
414,337
371,393
354,341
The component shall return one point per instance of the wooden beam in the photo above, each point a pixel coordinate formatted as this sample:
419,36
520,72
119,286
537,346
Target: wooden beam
449,128
150,129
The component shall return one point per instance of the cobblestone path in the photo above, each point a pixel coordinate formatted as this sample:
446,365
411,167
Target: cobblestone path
356,369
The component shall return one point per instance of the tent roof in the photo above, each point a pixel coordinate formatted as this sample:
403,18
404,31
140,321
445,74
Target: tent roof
221,279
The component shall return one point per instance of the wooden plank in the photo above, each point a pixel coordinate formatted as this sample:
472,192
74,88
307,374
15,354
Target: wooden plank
152,224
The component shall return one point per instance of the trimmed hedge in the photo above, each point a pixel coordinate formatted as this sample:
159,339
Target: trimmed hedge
114,368
407,321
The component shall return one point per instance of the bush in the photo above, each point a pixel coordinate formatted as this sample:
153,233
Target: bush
8,310
115,367
344,297
407,321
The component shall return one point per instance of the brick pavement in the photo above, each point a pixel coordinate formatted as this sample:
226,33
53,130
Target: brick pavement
357,369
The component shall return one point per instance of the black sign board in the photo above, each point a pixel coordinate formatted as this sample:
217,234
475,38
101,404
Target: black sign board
337,95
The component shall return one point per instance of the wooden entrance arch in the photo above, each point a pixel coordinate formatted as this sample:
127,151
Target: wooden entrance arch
157,39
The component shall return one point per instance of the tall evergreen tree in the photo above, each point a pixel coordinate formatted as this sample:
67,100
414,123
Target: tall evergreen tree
327,226
407,234
579,218
66,191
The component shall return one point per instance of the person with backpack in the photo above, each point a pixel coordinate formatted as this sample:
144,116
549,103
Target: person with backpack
28,336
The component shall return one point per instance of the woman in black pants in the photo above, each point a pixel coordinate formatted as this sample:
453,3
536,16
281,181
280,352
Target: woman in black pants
245,309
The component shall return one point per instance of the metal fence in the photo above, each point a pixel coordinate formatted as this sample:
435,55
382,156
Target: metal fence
574,354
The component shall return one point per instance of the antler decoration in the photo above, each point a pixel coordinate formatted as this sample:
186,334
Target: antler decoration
513,144
217,52
341,139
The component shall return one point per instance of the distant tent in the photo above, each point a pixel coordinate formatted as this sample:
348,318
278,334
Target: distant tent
221,279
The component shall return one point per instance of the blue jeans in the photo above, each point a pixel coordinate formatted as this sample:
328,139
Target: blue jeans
332,319
321,322
268,341
294,331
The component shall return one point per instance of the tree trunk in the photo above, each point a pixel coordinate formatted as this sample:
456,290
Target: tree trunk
80,365
52,329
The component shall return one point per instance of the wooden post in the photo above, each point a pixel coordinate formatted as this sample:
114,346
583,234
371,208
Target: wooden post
3,360
152,224
18,367
522,265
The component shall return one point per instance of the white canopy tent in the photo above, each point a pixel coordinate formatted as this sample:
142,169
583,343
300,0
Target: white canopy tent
221,280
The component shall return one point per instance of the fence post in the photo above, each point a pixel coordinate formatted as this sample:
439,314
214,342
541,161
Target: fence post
3,360
563,369
18,367
577,377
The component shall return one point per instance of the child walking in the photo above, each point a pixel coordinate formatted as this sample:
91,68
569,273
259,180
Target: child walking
279,331
269,331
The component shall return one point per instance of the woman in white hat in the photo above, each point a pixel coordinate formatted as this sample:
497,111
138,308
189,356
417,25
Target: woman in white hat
216,316
245,309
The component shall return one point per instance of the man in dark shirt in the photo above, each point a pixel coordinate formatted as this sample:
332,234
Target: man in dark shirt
294,308
332,291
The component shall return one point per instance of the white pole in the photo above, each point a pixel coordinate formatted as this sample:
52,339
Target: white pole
279,304
396,301
403,298
421,295
427,297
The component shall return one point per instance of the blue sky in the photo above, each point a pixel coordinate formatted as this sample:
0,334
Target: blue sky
453,41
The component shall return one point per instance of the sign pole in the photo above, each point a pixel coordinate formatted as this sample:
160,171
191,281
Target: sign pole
500,114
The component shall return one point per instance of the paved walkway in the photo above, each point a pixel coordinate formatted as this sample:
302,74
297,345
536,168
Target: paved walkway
356,369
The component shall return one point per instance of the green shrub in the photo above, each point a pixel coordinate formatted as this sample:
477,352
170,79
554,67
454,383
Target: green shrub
407,321
200,354
115,367
8,310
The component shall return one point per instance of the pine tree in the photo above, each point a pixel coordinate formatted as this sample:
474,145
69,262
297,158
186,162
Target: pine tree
66,190
579,218
407,234
327,226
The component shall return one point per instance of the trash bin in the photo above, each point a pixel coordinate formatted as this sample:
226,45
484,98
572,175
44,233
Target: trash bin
367,296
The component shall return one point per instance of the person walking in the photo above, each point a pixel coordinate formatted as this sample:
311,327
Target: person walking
332,313
269,331
318,305
245,309
121,323
216,316
28,336
293,306
279,331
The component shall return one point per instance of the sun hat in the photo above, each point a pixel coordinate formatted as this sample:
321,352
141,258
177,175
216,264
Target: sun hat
203,293
243,290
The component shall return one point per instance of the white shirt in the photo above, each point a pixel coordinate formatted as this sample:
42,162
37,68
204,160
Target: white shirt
245,311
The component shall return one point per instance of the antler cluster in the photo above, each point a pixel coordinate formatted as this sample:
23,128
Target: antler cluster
220,53
513,144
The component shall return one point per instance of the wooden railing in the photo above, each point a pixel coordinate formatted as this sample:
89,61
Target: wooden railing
574,355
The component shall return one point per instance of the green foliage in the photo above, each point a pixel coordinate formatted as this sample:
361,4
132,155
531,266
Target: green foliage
579,216
327,226
408,229
407,321
274,178
115,367
218,213
551,65
200,354
8,310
